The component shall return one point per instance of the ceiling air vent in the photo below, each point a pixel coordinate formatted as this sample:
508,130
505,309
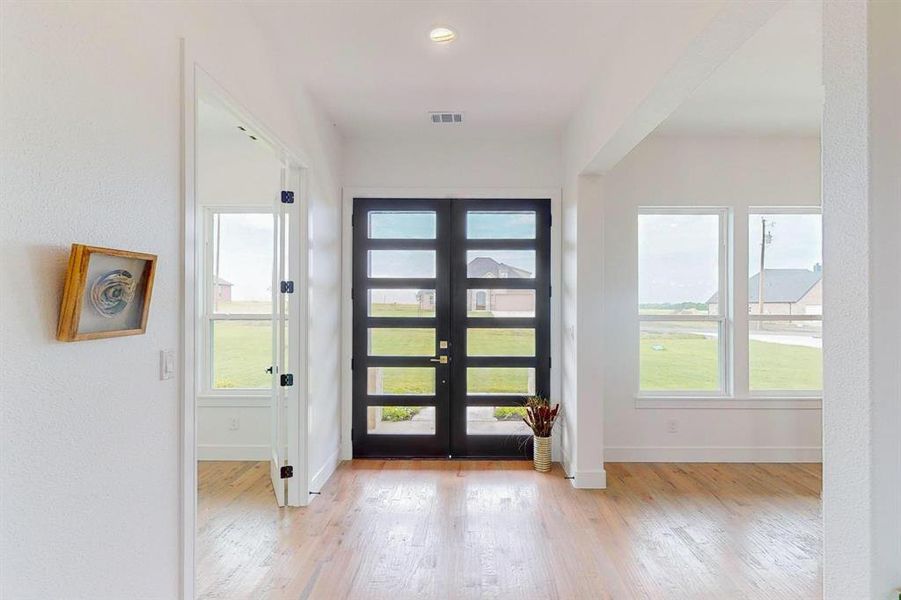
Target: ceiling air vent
446,118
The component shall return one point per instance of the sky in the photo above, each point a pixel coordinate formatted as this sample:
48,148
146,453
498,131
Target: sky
245,255
245,248
677,253
678,258
422,225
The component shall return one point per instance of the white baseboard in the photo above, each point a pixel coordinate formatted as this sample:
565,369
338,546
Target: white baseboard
325,471
233,452
708,454
589,480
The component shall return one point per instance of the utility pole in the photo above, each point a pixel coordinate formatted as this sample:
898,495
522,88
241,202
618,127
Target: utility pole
765,238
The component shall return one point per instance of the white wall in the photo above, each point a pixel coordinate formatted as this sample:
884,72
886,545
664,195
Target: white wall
733,172
452,163
862,291
91,153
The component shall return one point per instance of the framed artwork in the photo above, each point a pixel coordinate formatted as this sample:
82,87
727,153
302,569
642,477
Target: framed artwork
107,293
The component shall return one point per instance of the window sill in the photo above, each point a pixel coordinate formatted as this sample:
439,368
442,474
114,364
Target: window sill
728,402
233,400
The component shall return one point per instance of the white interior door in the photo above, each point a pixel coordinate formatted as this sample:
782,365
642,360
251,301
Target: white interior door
288,466
282,378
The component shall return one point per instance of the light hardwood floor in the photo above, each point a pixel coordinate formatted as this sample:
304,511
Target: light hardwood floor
482,529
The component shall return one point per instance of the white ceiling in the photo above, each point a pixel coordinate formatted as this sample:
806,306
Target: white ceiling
520,69
517,69
771,85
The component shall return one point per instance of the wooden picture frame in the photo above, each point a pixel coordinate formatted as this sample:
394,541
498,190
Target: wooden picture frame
107,293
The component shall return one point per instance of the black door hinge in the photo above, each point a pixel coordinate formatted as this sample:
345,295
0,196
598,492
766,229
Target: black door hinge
351,364
287,287
286,472
287,380
287,197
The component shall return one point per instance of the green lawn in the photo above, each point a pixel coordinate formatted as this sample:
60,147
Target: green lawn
669,361
242,351
684,361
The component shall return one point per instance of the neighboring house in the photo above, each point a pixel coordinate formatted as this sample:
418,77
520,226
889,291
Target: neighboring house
785,292
223,290
483,267
496,301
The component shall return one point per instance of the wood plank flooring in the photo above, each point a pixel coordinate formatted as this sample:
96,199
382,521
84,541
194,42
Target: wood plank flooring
483,529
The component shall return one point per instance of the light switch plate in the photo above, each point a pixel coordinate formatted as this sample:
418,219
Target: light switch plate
167,364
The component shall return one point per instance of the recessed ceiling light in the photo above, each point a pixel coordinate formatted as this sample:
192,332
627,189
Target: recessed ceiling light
442,35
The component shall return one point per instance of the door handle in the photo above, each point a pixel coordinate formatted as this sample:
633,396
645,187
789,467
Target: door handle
441,359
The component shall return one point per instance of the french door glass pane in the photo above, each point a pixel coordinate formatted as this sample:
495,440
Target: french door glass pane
242,351
395,381
402,263
500,264
500,380
678,264
679,356
400,420
402,303
242,263
390,341
402,225
500,303
500,342
789,247
496,420
785,355
500,225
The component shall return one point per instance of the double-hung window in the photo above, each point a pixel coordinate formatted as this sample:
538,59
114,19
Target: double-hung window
683,301
237,303
785,301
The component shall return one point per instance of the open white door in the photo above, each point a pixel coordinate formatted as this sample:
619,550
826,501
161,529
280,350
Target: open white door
282,378
287,470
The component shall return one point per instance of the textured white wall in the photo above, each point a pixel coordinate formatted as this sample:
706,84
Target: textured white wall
862,291
452,164
91,153
734,172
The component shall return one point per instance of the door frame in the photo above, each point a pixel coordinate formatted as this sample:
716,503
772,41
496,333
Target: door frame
462,193
195,81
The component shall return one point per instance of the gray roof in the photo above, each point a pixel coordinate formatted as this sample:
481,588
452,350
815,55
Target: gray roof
780,285
223,282
483,266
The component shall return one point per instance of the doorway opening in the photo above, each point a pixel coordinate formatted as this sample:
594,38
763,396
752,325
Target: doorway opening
451,325
249,309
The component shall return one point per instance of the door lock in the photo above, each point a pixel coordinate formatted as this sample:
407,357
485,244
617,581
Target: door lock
441,359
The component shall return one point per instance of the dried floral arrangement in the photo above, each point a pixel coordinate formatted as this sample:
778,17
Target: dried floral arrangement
540,415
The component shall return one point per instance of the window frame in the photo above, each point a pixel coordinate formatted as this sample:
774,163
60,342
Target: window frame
724,318
752,318
208,316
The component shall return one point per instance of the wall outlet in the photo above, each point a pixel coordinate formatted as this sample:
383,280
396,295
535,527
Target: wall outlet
672,426
167,364
234,424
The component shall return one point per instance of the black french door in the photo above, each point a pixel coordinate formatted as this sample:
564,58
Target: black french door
451,325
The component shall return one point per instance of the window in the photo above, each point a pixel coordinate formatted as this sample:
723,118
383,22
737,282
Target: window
785,301
238,300
682,301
